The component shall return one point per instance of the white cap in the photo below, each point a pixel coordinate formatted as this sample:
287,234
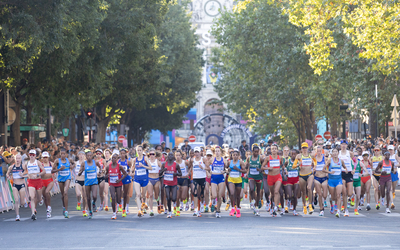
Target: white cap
365,153
209,152
99,150
197,149
45,154
32,151
115,151
328,143
391,147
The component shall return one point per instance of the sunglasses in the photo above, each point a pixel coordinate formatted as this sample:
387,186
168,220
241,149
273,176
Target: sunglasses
152,154
32,154
99,153
45,157
376,150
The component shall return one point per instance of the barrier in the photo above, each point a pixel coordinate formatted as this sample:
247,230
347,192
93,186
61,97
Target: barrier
6,201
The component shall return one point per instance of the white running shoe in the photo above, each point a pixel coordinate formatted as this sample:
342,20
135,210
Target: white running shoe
388,211
48,214
41,202
321,213
217,215
267,206
187,207
346,213
17,218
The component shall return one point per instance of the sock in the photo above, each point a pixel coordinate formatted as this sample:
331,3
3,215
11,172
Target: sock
127,207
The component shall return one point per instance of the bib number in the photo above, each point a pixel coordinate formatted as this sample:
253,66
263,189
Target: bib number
16,175
91,176
63,173
293,174
48,170
169,177
356,175
337,171
266,171
387,169
254,171
140,171
319,167
369,171
113,179
234,174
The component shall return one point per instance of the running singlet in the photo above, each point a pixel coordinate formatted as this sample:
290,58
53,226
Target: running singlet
16,171
198,173
169,177
65,174
387,168
347,161
183,168
368,167
155,169
393,159
77,168
217,167
114,174
275,163
33,167
254,173
90,174
336,168
292,172
306,161
48,168
141,173
357,170
320,164
235,174
375,162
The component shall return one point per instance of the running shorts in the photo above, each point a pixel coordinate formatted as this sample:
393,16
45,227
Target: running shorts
272,179
292,180
357,183
19,187
208,179
320,179
47,182
384,179
217,178
334,182
365,179
81,183
143,182
183,182
347,177
395,177
35,183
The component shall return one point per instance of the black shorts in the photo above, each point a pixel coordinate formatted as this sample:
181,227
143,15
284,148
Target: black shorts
347,177
81,183
19,187
199,182
237,185
99,180
183,182
377,177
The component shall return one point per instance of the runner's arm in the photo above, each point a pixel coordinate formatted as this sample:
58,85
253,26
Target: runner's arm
124,173
178,170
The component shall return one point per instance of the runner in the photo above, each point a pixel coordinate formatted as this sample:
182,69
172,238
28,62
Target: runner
292,184
107,161
395,177
154,181
160,149
63,168
126,182
385,181
333,167
100,178
47,180
366,179
80,185
141,167
115,173
320,179
14,174
253,164
377,174
359,169
236,167
306,176
347,178
273,165
34,171
199,179
209,156
91,169
170,170
183,181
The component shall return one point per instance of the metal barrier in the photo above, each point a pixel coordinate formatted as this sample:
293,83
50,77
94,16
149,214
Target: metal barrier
6,199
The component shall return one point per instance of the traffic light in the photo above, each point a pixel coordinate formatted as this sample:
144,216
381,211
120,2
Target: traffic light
89,114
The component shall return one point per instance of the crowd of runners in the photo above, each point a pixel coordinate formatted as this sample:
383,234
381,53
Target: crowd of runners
332,175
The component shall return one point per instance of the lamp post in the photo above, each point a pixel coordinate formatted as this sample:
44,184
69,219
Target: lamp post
377,119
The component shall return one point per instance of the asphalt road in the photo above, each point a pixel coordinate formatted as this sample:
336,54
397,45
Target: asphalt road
370,230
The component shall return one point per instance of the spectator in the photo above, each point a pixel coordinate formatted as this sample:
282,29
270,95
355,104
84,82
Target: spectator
242,149
186,148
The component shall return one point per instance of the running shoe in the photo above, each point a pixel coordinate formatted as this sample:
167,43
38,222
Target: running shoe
165,212
195,213
192,207
259,204
331,210
48,214
281,213
101,207
127,211
35,211
114,217
368,207
201,209
178,213
206,210
84,213
181,208
262,203
274,211
245,196
169,215
66,214
337,214
291,207
252,205
346,213
356,212
286,210
394,195
106,208
120,208
304,209
267,207
123,213
352,202
162,209
41,202
17,218
321,213
295,213
232,213
151,213
310,209
33,217
348,205
78,207
238,213
392,206
217,215
342,209
378,206
199,214
25,205
279,206
325,204
362,202
146,207
187,207
143,206
212,208
140,214
144,211
257,212
90,214
94,207
63,211
387,210
159,209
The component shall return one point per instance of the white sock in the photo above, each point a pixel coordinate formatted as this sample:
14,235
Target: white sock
127,206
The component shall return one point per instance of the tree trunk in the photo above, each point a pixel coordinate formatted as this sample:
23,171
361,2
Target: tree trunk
102,122
15,139
372,123
73,129
334,128
29,109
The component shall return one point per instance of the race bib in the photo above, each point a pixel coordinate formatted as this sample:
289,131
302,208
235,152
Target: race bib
113,179
348,166
369,171
154,168
293,174
183,170
337,171
266,171
375,164
218,169
197,169
254,171
140,171
320,167
48,170
91,175
16,175
274,163
63,173
387,169
306,162
234,174
168,177
356,175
